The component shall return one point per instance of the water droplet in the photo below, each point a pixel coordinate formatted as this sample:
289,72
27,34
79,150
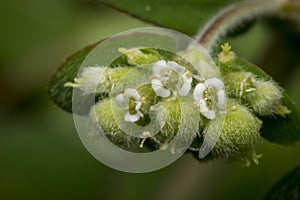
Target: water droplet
148,8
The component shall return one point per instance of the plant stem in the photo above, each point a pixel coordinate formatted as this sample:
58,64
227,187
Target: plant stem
233,16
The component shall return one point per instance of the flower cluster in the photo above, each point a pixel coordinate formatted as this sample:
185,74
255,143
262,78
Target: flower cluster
171,78
188,96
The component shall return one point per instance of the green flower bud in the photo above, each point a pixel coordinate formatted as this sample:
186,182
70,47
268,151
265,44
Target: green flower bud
133,78
263,97
239,133
267,99
100,79
103,117
113,75
179,117
169,113
140,56
239,84
226,55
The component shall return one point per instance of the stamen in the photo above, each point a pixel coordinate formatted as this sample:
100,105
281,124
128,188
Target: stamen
146,134
250,90
70,84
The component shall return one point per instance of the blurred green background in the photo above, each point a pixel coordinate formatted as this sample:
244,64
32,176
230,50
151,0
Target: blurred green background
40,151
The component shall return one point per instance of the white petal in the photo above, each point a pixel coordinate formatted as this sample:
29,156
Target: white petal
221,99
162,92
209,114
174,66
161,62
158,66
122,101
198,92
215,82
131,118
156,84
203,106
138,106
184,90
187,78
159,89
133,93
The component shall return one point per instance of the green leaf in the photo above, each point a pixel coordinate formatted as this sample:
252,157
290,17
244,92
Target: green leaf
287,188
60,95
184,16
278,129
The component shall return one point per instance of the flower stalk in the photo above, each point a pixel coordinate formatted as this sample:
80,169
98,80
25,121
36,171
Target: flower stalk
233,16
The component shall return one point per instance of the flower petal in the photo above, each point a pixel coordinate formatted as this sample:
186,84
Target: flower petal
177,68
184,90
209,114
159,89
198,92
133,93
188,77
122,101
156,84
221,99
131,118
158,66
215,82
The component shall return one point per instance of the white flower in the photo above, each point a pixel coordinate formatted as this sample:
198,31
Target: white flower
130,100
170,77
208,96
89,79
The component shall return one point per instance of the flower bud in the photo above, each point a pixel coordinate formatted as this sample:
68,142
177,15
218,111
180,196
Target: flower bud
132,79
169,114
226,55
263,97
238,132
267,99
140,56
103,118
178,117
97,79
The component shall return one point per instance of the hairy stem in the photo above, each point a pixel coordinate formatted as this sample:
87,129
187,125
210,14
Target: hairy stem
235,15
